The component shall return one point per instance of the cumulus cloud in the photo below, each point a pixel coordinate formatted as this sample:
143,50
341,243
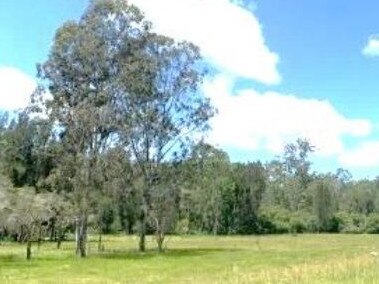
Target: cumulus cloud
365,155
230,36
248,4
15,88
371,48
250,120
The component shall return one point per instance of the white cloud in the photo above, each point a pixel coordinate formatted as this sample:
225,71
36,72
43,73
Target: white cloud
250,120
230,36
251,5
366,155
372,47
15,88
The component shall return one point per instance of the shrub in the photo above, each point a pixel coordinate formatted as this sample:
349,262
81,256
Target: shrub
372,224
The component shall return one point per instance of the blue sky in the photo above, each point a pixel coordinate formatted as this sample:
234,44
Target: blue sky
27,29
320,44
283,69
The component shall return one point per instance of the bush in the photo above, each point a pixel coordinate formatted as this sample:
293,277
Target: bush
274,220
182,227
351,223
299,223
372,224
278,220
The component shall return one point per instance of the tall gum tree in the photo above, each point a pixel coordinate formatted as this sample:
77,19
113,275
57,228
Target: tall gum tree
79,74
163,111
115,82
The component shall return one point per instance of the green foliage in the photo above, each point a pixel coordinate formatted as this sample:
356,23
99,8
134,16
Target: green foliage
250,185
372,224
27,151
106,218
350,222
276,220
323,206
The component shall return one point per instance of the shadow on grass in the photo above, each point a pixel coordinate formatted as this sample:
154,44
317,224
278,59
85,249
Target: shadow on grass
16,261
19,261
174,253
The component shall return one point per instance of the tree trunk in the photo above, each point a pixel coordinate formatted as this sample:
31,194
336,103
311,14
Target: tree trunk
81,236
77,230
160,239
215,223
159,233
99,245
53,235
145,194
21,235
142,239
39,237
59,237
143,216
29,249
130,227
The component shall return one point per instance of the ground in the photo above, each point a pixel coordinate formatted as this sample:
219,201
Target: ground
201,259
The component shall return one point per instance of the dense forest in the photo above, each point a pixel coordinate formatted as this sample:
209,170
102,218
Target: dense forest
113,142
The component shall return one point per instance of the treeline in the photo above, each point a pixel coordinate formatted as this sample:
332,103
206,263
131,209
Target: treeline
204,193
112,142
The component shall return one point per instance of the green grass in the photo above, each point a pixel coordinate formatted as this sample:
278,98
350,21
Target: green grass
201,259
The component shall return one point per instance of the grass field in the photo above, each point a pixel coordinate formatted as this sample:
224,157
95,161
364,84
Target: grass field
202,259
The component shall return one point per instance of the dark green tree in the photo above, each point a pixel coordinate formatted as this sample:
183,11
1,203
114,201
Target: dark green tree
250,183
323,203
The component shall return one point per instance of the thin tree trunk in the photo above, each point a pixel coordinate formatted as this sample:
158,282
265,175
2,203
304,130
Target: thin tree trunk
39,237
59,237
59,243
215,222
22,235
81,236
130,227
143,216
52,230
215,228
77,235
159,233
29,249
99,245
160,241
142,239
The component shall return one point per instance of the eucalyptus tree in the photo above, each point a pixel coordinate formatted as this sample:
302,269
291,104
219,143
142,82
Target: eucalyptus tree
164,199
297,165
211,196
250,186
79,75
323,202
112,78
163,110
296,160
